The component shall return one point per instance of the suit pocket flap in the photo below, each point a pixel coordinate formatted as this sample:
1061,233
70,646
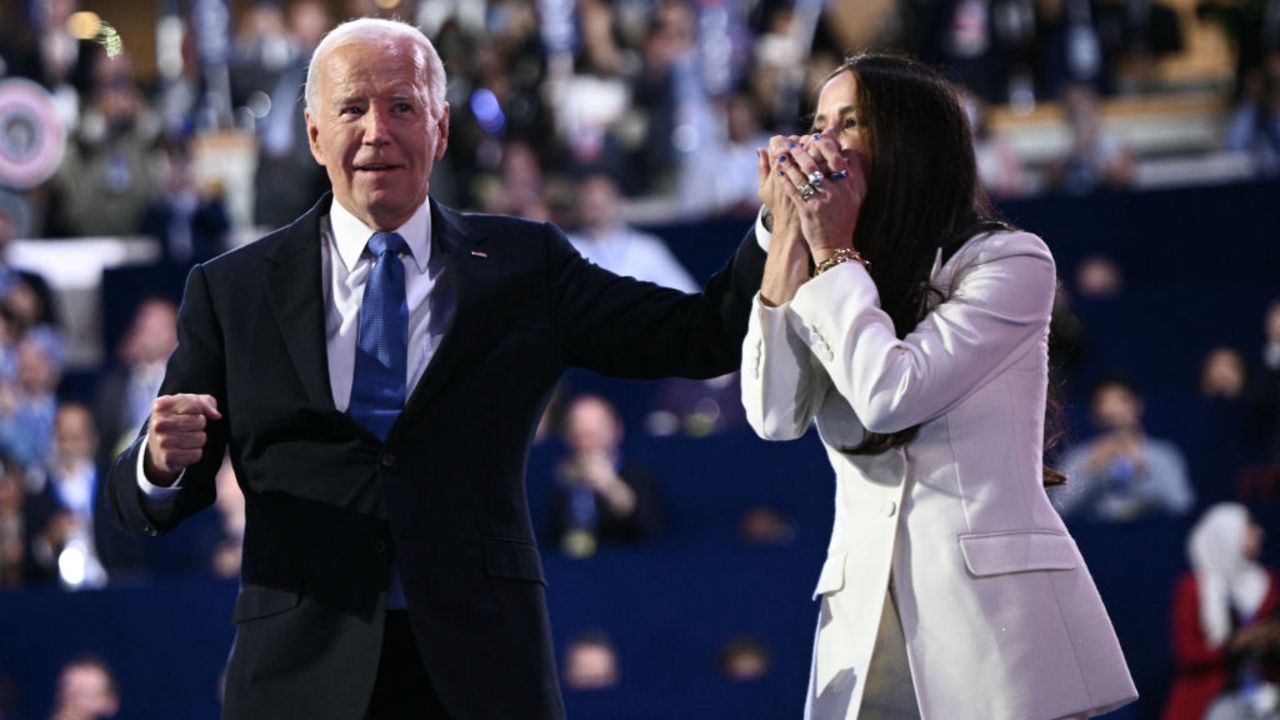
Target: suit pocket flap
513,560
1018,551
256,601
832,577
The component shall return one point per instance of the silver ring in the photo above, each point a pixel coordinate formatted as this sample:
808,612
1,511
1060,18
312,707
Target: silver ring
807,191
815,178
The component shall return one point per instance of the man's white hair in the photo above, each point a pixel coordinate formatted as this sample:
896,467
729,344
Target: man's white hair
375,30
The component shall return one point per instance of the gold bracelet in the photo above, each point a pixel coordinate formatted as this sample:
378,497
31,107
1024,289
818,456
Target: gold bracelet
843,255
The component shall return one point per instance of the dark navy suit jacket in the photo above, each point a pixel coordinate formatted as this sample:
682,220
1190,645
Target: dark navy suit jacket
330,507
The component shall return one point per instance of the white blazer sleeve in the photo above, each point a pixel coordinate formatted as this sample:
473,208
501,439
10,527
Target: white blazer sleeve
999,303
780,388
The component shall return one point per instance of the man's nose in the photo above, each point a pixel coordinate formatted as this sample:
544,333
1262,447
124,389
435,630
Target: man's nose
375,126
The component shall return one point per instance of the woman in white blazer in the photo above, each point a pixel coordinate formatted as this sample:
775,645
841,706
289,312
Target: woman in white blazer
919,347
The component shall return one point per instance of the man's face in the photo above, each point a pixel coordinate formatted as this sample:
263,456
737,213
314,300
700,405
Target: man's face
85,692
1116,408
373,130
598,203
74,433
591,426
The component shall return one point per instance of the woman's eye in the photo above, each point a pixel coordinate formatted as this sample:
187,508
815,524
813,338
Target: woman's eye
850,123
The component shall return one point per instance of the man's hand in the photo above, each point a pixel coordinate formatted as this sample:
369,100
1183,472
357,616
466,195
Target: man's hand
596,470
176,436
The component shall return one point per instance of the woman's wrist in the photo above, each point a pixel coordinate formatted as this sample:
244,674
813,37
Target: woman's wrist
823,254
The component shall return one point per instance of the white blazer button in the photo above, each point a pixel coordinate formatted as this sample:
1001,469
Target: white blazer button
890,507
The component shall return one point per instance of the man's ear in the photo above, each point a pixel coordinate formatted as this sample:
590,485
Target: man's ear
442,126
313,136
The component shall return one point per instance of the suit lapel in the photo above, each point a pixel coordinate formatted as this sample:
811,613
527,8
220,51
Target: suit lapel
474,276
293,285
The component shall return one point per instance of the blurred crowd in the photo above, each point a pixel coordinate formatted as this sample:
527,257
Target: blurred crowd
587,113
668,99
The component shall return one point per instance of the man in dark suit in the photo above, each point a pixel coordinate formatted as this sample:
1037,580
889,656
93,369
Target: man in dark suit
376,370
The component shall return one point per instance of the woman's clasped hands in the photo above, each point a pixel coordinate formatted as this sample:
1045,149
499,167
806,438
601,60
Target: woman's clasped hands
813,186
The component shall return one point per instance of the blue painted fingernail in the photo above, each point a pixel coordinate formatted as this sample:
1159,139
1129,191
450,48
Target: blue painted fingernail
839,174
794,146
817,136
782,158
781,173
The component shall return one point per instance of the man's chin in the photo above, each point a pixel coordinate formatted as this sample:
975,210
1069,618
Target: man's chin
386,211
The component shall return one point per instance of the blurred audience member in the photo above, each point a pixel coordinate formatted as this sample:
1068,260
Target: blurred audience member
1098,276
17,285
591,662
1226,637
1223,374
605,239
1096,159
78,543
1123,474
597,496
666,54
779,58
262,51
765,525
977,41
999,167
17,532
1251,27
125,392
28,404
1138,33
744,659
86,691
47,52
191,223
1072,51
722,177
520,190
593,104
230,505
106,178
1221,448
287,180
1264,390
1254,127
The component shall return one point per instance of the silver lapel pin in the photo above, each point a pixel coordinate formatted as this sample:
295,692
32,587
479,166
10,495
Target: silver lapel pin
478,253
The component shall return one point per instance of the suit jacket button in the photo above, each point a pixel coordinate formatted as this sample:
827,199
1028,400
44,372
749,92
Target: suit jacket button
379,546
387,459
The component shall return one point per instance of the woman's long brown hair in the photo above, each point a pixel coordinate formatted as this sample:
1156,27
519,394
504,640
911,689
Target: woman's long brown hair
926,198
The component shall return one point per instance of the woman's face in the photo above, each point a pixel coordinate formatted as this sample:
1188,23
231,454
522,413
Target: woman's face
838,116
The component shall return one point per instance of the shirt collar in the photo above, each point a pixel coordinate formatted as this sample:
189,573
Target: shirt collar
351,235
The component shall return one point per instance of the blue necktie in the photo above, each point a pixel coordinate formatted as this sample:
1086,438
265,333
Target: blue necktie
382,343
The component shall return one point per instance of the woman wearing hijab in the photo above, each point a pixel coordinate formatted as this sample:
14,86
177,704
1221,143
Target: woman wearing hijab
1225,631
912,328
